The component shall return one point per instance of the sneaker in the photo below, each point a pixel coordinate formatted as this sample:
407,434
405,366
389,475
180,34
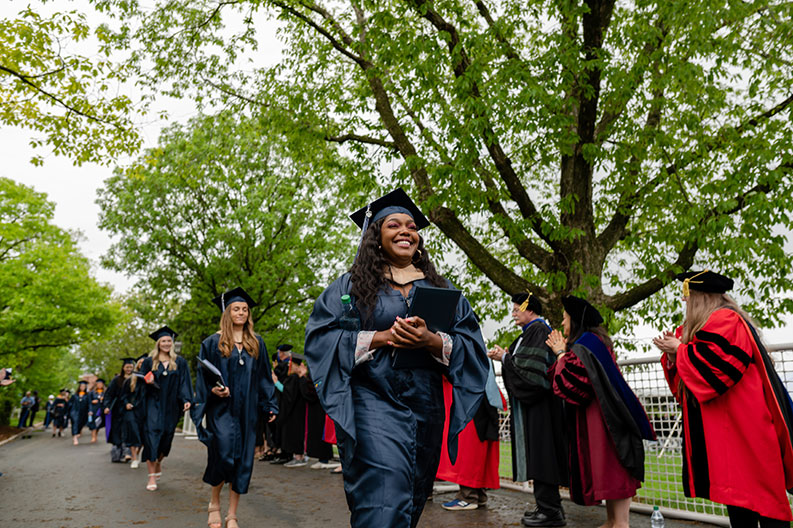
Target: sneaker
296,463
134,464
458,504
325,465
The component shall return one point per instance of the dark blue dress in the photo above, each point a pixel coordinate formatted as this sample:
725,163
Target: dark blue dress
389,420
230,432
78,411
163,406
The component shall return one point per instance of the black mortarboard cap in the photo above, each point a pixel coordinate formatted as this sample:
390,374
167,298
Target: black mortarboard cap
528,301
298,358
81,381
126,360
140,357
284,347
704,281
101,380
231,296
586,315
164,331
397,201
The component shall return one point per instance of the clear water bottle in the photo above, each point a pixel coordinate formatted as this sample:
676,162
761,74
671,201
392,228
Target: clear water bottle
349,318
656,519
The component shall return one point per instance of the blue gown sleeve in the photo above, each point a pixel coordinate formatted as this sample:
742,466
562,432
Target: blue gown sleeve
330,352
200,400
185,384
267,399
468,368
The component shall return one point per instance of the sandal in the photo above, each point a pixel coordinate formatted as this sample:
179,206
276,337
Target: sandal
214,515
232,518
151,487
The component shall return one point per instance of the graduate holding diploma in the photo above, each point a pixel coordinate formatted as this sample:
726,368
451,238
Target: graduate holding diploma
233,382
378,373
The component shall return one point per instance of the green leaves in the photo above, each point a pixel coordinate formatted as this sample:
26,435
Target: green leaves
49,302
67,98
227,201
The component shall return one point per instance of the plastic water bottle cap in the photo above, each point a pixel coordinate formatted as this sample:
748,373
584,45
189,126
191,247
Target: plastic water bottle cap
346,299
655,508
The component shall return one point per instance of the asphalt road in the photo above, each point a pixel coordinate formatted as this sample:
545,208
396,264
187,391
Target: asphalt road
48,482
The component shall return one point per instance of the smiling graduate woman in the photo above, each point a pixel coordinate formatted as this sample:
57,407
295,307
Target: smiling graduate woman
378,372
231,401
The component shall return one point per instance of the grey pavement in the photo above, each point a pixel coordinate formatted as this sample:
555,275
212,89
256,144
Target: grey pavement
48,482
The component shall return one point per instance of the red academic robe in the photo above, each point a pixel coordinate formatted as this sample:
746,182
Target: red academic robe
596,472
477,461
737,449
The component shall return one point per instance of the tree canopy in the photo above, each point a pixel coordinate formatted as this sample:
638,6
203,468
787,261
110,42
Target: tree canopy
51,84
225,201
49,302
577,146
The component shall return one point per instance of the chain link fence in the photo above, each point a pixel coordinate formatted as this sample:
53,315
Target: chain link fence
663,464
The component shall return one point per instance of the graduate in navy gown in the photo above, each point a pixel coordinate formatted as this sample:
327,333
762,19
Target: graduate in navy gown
232,401
133,404
78,409
169,394
378,373
96,419
114,406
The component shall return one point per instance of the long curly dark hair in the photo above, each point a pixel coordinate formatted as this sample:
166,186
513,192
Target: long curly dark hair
367,271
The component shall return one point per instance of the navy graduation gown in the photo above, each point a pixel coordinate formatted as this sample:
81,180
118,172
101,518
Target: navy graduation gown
78,411
132,421
96,409
389,421
113,402
230,432
163,406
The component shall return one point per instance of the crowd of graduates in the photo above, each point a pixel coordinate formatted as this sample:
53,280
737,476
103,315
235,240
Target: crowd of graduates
409,399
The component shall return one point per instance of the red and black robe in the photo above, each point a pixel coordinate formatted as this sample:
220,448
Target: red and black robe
736,445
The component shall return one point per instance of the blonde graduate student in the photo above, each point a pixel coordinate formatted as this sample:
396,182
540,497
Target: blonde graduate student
233,383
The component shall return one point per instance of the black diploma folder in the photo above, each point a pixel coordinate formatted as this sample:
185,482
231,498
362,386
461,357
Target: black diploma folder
437,306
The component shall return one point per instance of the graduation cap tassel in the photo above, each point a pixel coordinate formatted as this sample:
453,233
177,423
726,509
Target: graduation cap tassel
525,304
686,289
366,219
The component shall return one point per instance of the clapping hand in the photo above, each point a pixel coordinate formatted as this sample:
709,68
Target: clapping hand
496,353
667,343
556,341
411,332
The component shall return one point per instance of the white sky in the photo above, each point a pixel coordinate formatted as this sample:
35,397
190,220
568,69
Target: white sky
73,189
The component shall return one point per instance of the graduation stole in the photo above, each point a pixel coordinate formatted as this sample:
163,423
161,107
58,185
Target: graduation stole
532,358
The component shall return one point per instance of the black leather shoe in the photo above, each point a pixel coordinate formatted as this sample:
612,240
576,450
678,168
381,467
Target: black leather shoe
280,460
539,518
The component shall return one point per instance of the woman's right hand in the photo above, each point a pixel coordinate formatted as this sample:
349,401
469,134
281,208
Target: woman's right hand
107,411
129,406
222,393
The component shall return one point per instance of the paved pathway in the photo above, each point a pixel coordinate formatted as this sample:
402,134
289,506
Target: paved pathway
47,482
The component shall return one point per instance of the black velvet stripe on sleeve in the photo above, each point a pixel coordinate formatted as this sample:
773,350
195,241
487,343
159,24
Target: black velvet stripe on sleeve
573,381
577,369
717,362
698,463
705,371
726,346
569,395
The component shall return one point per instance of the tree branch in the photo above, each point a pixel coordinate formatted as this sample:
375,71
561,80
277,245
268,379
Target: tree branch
25,79
362,139
685,257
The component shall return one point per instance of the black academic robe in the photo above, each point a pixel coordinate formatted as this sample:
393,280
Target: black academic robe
133,419
59,412
163,406
95,410
389,420
315,422
115,405
292,417
230,432
537,421
78,411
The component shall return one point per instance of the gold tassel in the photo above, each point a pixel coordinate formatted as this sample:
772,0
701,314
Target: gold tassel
525,303
686,289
